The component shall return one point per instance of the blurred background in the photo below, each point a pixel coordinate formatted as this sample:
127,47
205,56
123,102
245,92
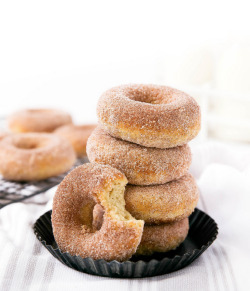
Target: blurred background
64,54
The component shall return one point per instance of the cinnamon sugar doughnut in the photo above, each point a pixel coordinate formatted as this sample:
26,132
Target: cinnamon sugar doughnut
72,215
155,238
38,120
3,134
34,156
163,238
77,135
141,165
157,204
149,115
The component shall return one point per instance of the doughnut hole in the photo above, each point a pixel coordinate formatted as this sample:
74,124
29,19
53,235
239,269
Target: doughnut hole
86,214
26,146
91,215
98,213
25,143
147,95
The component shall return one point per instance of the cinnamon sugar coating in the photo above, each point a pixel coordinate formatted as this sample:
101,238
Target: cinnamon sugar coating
72,215
149,115
3,134
141,165
34,156
163,238
169,202
37,120
155,238
77,135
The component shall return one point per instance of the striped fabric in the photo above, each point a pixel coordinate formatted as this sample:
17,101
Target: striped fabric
223,176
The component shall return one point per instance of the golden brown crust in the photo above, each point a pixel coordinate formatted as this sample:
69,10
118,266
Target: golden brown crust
163,203
38,120
163,238
141,165
77,135
74,201
34,156
149,115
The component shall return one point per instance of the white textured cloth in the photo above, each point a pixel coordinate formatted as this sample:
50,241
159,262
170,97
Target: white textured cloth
223,176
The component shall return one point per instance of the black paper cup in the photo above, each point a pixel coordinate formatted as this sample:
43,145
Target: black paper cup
203,231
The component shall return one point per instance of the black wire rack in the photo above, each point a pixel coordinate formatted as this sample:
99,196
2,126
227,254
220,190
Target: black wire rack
11,192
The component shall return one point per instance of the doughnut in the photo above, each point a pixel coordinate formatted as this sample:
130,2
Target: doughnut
34,156
163,238
155,238
72,215
37,120
141,165
3,134
77,135
149,115
157,204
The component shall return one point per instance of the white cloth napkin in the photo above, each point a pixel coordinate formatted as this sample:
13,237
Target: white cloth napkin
223,176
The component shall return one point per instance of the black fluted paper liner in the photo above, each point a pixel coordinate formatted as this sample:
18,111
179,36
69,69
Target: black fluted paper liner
203,231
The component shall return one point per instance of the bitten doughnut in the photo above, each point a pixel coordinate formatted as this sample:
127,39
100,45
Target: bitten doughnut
155,238
149,115
157,204
34,156
163,238
77,135
38,120
72,215
141,165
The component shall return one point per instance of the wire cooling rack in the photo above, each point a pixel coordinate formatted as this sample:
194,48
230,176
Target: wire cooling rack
11,192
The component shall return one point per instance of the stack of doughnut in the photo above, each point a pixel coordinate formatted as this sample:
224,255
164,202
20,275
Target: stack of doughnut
41,143
143,132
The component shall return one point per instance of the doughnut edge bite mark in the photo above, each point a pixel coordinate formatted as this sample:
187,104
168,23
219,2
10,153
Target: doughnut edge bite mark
149,115
73,204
